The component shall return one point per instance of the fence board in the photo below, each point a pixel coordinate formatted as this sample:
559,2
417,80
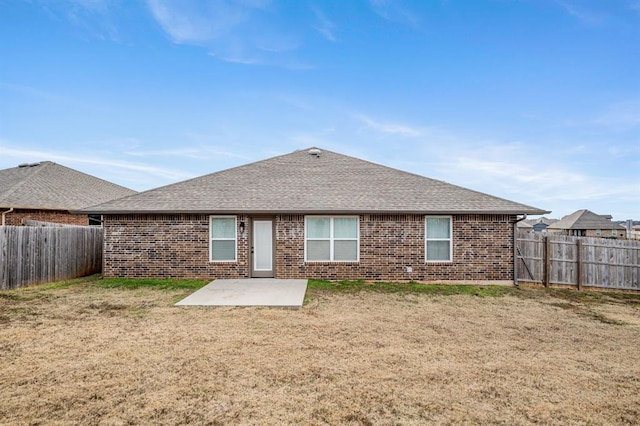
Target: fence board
598,262
34,255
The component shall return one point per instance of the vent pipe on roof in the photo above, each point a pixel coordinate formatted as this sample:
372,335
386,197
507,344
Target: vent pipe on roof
315,152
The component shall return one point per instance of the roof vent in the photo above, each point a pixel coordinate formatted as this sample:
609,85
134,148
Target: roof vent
34,164
23,165
315,152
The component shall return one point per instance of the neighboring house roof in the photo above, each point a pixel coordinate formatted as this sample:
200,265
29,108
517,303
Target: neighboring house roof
50,186
543,220
585,219
304,183
523,224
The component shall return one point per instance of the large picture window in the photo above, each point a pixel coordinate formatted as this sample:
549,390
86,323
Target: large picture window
438,239
331,239
222,230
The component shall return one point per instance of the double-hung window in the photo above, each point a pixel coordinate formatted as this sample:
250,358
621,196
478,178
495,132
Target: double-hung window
222,230
438,241
332,239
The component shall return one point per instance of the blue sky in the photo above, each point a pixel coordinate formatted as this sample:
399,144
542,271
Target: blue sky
537,101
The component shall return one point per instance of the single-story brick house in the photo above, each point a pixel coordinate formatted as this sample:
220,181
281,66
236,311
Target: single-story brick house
311,214
46,192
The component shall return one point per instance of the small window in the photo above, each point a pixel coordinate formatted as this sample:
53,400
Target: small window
438,242
598,232
614,233
331,239
223,239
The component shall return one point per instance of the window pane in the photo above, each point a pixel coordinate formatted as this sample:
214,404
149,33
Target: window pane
318,250
318,227
223,227
438,227
345,250
438,250
345,227
223,250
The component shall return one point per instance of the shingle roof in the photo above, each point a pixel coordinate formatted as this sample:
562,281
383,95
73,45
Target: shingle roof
303,183
584,219
51,186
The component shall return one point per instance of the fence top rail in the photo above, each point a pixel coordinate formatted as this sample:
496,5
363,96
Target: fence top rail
629,247
572,239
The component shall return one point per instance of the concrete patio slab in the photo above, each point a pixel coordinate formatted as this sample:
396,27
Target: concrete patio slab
249,292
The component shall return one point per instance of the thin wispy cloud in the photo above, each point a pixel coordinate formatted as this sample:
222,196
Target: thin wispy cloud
126,172
394,11
323,25
33,92
501,167
388,128
95,19
246,32
621,116
579,11
195,153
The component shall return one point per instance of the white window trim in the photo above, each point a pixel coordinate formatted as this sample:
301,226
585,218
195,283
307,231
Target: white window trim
234,239
332,239
450,239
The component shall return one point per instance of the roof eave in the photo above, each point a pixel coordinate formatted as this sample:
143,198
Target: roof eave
309,211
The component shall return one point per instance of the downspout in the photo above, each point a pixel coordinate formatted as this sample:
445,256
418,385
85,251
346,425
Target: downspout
515,249
4,214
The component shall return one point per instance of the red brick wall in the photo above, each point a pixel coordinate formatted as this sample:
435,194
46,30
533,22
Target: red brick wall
165,246
18,216
178,246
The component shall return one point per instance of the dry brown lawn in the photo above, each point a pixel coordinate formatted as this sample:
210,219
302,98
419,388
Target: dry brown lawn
88,355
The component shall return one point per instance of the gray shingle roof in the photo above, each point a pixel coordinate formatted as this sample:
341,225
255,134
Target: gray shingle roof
585,219
50,186
303,183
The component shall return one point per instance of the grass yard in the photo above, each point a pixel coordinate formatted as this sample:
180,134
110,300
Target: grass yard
109,352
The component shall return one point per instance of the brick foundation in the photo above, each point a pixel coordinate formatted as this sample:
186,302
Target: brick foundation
18,216
177,246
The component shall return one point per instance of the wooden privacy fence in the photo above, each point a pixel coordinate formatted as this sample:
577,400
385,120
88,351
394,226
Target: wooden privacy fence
33,255
551,259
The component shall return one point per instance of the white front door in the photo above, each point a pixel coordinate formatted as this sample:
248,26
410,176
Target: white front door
262,262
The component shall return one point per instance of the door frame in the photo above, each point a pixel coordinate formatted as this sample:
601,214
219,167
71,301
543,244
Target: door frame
263,274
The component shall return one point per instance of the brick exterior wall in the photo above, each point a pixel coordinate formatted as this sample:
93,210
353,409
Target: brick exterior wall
18,216
177,246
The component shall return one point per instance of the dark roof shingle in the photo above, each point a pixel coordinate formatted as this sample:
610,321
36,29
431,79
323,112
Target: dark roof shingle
51,186
303,183
585,219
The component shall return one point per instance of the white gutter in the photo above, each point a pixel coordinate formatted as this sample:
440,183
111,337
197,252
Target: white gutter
6,213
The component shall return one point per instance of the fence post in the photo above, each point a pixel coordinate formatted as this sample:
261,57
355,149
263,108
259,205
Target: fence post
579,263
547,261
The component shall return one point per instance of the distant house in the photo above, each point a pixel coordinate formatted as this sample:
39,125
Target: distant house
46,192
524,225
311,214
542,223
585,223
